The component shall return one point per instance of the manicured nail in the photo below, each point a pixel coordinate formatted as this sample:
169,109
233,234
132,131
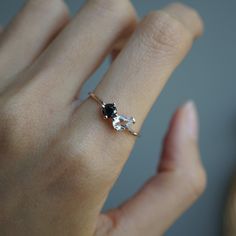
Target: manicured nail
191,119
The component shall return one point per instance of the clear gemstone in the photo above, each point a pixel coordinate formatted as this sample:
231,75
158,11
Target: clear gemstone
122,122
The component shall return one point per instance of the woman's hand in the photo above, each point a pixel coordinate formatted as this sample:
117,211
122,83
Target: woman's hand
58,159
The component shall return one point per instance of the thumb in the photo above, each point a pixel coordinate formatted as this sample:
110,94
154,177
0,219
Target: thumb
179,181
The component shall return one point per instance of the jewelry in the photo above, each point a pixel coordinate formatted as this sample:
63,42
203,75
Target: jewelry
109,111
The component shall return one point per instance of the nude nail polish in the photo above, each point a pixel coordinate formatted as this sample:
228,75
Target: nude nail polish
191,119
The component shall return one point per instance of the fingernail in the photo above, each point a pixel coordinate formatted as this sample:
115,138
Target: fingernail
191,119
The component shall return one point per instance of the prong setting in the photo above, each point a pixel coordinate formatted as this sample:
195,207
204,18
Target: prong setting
133,119
119,122
109,110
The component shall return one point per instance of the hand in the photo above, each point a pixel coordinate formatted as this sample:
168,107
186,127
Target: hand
58,160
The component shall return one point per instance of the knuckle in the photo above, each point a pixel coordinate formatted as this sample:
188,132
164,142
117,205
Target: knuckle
121,10
83,167
67,170
110,5
189,17
187,10
75,175
162,32
61,8
56,6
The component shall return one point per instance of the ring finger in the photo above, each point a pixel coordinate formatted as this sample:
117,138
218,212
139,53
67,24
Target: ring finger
134,81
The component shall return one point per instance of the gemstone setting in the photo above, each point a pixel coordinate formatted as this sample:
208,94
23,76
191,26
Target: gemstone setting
122,122
109,110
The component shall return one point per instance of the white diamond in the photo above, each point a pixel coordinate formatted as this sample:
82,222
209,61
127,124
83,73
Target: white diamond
122,122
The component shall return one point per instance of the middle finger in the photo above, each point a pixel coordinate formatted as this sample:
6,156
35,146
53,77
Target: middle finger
80,49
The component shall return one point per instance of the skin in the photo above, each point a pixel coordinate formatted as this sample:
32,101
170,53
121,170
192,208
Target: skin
59,160
229,214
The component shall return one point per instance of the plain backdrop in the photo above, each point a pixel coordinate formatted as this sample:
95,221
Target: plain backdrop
208,77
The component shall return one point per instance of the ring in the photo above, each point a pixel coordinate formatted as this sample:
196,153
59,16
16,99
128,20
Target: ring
109,111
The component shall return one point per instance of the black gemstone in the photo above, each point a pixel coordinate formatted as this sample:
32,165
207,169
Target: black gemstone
109,110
